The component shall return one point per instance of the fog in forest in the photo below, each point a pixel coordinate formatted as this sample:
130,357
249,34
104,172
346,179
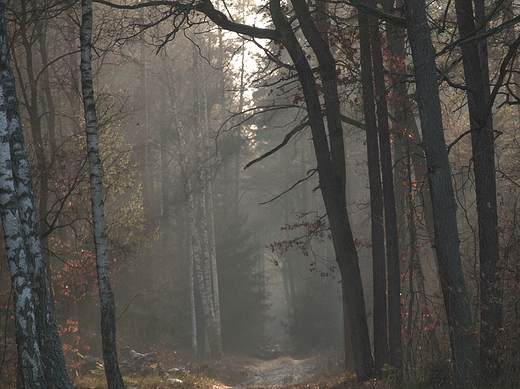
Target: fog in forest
178,124
220,248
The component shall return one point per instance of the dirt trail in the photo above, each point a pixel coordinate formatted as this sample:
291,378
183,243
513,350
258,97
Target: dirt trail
281,371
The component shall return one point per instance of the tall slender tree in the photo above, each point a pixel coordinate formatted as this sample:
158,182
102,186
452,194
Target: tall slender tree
463,344
331,168
198,249
376,198
392,245
106,296
476,75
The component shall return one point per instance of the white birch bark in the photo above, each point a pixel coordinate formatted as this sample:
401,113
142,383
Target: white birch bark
108,317
193,312
41,356
55,369
29,353
202,274
211,217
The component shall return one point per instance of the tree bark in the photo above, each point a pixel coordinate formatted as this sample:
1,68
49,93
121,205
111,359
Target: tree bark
380,312
108,308
392,238
331,170
30,358
41,356
205,210
202,267
476,75
463,345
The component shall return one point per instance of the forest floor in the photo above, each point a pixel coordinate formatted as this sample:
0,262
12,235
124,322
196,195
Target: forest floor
284,372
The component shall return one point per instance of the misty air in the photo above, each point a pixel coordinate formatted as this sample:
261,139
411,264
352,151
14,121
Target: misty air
259,194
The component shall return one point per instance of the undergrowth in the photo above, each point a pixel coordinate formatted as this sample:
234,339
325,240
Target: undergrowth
95,381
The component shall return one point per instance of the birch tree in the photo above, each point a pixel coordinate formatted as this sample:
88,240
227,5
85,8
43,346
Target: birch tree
40,356
202,268
108,309
29,352
209,209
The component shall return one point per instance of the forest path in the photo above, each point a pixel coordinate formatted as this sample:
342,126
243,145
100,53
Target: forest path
283,371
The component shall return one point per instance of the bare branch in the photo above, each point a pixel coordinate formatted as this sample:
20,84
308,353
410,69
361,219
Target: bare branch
476,38
353,122
206,7
397,20
310,173
288,136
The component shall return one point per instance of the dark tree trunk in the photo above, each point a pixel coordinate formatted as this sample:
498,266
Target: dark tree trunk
376,199
463,344
331,170
392,237
476,74
106,296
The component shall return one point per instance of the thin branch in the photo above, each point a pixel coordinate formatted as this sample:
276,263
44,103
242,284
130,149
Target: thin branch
310,173
288,137
477,38
353,122
503,68
459,138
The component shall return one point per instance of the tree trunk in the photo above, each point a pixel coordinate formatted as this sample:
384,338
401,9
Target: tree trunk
41,358
476,75
380,318
463,345
201,264
142,129
30,360
392,244
108,308
331,171
408,139
210,215
416,272
204,193
511,36
193,310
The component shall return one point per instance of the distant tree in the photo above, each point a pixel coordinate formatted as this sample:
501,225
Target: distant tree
108,310
197,238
